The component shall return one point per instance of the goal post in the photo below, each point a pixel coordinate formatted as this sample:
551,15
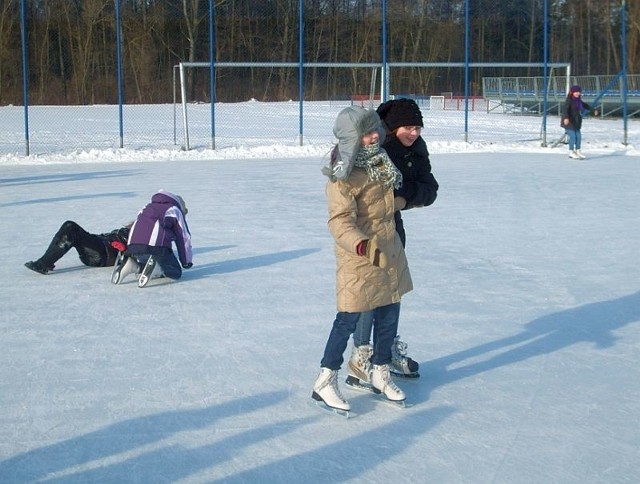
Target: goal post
182,67
436,103
334,80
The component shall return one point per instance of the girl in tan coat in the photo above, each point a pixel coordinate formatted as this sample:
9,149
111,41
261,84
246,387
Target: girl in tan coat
372,271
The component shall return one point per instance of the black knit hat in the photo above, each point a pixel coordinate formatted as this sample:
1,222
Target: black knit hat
400,112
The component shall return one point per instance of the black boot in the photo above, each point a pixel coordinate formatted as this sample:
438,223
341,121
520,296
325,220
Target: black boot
38,266
59,246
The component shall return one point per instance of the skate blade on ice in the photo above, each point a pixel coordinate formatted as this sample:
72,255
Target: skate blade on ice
393,403
115,274
357,384
147,272
408,376
345,414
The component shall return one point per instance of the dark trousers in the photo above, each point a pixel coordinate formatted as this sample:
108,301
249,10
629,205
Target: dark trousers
92,249
164,256
385,327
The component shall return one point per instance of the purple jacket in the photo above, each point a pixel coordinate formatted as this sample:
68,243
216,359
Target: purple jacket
162,222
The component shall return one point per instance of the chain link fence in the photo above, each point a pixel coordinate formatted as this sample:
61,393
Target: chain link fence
69,57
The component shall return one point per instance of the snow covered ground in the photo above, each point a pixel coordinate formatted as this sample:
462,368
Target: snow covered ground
524,318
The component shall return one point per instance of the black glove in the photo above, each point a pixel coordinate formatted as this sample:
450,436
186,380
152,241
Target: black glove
188,265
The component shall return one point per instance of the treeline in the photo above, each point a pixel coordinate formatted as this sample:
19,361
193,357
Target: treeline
72,56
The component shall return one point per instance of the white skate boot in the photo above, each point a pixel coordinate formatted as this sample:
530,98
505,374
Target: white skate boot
326,391
401,364
122,270
382,383
580,155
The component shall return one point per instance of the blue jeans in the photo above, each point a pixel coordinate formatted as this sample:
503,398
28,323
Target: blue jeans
384,331
362,333
164,256
575,138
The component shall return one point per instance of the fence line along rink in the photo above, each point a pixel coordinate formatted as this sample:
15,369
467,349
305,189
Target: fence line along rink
256,129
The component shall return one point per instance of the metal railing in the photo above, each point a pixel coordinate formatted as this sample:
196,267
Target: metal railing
526,94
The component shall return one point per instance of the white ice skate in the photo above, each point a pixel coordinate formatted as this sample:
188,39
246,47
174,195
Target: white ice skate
574,155
383,384
122,269
326,393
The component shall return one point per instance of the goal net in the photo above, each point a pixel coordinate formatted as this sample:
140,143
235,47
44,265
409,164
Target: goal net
436,103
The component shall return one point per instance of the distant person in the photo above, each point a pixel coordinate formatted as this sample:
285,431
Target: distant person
574,106
95,250
372,271
407,149
158,225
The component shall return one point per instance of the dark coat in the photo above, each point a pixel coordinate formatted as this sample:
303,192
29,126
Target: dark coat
120,236
573,114
419,186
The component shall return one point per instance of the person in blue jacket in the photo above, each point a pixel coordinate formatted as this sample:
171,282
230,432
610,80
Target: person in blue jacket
158,226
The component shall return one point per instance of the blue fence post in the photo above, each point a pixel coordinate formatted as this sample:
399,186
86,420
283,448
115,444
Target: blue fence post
25,74
384,80
466,70
119,70
212,73
301,70
625,114
545,74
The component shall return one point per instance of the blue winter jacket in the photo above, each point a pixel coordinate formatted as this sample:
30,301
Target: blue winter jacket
162,222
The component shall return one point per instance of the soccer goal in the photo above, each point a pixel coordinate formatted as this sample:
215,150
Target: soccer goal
436,103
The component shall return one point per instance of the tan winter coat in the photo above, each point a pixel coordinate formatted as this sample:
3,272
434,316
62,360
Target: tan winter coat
358,210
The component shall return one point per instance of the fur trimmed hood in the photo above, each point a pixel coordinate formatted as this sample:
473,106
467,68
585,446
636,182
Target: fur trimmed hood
350,126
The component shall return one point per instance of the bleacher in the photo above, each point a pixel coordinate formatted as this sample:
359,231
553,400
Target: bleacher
525,95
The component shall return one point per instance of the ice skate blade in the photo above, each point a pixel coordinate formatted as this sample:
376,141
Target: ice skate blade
147,272
392,403
399,404
115,275
143,281
408,376
357,384
317,399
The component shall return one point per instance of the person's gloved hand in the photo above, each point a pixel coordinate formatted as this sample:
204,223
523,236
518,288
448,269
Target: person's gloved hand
188,265
369,248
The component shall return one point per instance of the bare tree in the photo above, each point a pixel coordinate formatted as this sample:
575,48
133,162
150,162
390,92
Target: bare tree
72,51
9,50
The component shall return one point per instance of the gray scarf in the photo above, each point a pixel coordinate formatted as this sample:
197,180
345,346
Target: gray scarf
379,166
